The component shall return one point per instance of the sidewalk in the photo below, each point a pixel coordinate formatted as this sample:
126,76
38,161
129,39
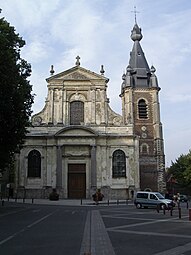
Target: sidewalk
69,202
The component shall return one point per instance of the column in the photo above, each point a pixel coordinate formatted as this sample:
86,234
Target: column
93,167
59,167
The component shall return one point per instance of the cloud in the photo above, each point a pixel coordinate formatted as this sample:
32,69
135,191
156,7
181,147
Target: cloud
36,52
99,31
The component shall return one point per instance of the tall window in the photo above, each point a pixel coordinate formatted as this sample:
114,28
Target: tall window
142,108
119,164
34,164
76,112
144,148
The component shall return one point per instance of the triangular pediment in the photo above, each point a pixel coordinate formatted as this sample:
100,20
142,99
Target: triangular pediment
77,73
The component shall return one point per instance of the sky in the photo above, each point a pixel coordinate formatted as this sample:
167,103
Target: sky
99,32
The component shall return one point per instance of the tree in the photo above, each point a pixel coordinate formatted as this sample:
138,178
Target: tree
15,93
181,171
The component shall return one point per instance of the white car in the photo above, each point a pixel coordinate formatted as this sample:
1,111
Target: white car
147,199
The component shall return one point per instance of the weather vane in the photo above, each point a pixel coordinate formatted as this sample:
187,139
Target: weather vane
135,12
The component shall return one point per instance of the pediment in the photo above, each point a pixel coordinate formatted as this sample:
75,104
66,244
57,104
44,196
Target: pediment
76,132
75,76
77,73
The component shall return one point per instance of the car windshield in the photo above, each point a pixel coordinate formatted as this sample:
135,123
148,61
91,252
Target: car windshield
159,196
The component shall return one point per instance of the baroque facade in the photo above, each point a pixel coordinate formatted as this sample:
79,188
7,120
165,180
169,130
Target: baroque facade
78,143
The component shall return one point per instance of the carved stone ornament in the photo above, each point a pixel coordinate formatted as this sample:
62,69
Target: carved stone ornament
76,76
144,135
37,121
116,121
143,128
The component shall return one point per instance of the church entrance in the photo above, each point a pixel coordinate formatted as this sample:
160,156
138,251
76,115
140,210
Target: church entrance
76,181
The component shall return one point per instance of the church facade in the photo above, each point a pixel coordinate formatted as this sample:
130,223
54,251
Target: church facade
77,143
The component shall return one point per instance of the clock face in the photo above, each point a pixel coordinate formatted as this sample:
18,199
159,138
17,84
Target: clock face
143,128
144,135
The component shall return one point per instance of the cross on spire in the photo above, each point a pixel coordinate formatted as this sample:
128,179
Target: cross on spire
135,12
78,61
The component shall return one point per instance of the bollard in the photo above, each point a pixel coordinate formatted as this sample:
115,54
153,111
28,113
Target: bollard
32,200
3,202
189,214
126,201
108,201
23,200
171,209
179,213
117,201
81,201
187,205
15,199
164,211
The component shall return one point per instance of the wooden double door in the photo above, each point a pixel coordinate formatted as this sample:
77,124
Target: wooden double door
76,181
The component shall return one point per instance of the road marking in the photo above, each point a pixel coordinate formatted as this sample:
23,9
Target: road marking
177,250
148,233
95,239
86,241
100,242
147,223
41,219
6,239
21,210
24,229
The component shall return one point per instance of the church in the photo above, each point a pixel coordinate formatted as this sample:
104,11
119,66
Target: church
78,144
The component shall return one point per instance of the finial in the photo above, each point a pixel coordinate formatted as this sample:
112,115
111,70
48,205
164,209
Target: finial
78,61
135,12
123,76
128,69
153,69
52,70
102,70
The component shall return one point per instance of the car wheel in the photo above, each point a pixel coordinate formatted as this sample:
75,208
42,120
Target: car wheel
138,206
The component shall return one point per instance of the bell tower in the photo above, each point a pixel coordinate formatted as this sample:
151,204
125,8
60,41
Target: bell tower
141,108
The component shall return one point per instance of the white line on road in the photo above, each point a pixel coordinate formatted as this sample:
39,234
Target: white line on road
41,219
149,233
24,229
145,223
177,250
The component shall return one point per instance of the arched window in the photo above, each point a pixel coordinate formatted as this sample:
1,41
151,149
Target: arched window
142,109
119,164
144,148
34,164
76,112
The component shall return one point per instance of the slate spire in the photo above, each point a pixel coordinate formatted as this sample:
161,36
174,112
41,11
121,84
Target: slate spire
138,61
138,74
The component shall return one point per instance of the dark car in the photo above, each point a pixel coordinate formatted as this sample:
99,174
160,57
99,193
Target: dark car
183,198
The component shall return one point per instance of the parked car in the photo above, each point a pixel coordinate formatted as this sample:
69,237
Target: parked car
147,199
183,198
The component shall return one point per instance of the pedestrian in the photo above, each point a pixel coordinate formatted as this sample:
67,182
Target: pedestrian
98,196
167,196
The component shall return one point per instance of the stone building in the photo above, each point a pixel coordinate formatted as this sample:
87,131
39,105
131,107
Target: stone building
78,143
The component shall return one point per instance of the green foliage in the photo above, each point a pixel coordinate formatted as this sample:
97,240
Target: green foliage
15,93
181,170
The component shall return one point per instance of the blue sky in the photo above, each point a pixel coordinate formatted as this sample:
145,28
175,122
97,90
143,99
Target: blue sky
99,31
